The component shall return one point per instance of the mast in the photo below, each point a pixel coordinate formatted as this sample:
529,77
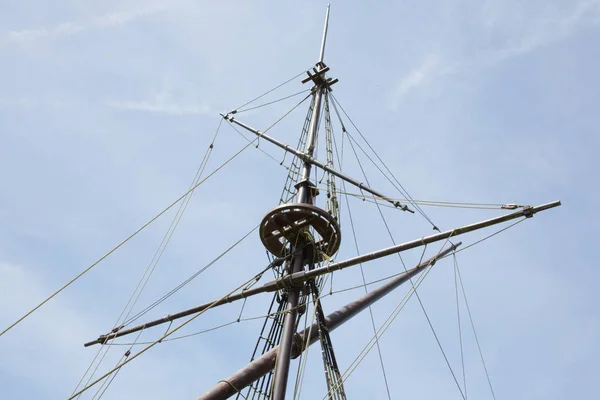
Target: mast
300,278
263,364
301,235
305,196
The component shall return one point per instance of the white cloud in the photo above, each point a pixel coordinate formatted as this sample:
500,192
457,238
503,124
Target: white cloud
165,101
161,107
544,33
548,32
429,69
71,28
28,103
418,75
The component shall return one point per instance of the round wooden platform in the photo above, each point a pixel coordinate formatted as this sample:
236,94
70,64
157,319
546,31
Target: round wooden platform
293,223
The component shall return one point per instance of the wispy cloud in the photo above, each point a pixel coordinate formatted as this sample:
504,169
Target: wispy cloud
431,68
71,28
28,103
545,33
166,101
20,102
161,107
548,32
418,75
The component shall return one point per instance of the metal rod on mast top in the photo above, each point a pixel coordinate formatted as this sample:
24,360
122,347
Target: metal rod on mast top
322,54
305,195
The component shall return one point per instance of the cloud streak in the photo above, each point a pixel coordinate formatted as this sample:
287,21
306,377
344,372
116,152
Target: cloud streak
418,75
161,107
548,32
66,29
27,103
544,34
165,101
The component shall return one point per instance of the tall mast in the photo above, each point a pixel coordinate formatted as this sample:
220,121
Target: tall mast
300,257
302,235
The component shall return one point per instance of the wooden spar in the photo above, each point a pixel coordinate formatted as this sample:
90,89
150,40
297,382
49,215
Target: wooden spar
300,277
266,362
307,158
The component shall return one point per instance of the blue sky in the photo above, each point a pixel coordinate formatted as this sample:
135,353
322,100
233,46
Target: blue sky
107,109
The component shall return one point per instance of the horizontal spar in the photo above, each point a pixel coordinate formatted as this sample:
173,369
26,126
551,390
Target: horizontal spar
301,277
118,332
318,164
266,362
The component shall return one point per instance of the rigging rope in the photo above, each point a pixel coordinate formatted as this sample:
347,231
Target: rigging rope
493,234
271,90
157,255
386,324
321,296
473,326
363,276
232,322
445,204
397,183
170,231
436,203
295,165
262,387
299,306
100,349
460,340
332,201
405,269
107,382
258,148
153,262
238,111
362,272
148,223
167,334
188,280
369,199
371,343
306,345
126,239
416,205
170,293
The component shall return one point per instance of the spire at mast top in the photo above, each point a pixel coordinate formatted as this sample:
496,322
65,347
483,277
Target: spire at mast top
324,34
